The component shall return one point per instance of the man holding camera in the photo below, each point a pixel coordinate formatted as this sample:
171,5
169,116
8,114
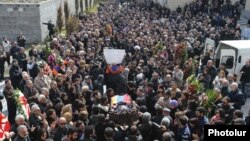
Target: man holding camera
50,27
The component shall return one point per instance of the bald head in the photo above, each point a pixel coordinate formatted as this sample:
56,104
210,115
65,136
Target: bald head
166,136
209,63
62,119
234,86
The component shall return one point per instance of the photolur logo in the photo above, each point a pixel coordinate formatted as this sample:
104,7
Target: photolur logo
232,133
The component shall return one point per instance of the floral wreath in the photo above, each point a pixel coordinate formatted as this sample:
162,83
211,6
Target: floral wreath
114,69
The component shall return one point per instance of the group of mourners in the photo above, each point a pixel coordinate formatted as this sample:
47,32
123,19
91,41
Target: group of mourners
69,86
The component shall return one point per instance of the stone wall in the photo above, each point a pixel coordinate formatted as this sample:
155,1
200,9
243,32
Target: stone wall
28,18
16,18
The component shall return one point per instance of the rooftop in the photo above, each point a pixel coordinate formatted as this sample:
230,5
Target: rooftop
21,1
238,43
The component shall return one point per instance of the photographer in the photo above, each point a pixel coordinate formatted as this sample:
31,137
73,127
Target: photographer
50,27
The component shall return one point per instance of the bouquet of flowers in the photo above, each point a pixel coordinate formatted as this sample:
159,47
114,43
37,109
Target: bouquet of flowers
209,99
51,60
194,87
181,53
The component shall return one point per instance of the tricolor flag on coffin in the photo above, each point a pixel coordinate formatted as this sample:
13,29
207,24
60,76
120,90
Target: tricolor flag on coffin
115,100
4,126
23,107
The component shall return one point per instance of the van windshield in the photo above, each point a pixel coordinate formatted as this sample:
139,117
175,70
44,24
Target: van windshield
228,61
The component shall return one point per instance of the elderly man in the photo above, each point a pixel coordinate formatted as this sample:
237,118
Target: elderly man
225,87
146,128
30,92
19,120
236,96
23,134
41,80
36,117
42,102
230,78
26,77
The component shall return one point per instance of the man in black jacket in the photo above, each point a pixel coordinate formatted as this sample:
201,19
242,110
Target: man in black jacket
15,74
11,103
236,96
61,130
50,27
245,76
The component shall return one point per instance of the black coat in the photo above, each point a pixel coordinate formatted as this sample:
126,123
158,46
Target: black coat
245,77
59,133
15,75
146,130
11,104
99,129
14,51
21,41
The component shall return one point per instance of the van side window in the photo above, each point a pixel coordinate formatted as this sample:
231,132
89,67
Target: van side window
229,61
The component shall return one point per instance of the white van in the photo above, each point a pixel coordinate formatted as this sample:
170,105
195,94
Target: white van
233,54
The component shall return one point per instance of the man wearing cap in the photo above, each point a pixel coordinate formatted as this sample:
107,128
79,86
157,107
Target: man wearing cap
166,114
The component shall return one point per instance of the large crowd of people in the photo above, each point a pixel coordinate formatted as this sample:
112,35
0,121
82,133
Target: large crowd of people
69,86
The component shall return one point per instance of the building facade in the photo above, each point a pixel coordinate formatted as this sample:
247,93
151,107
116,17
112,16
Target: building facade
27,18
